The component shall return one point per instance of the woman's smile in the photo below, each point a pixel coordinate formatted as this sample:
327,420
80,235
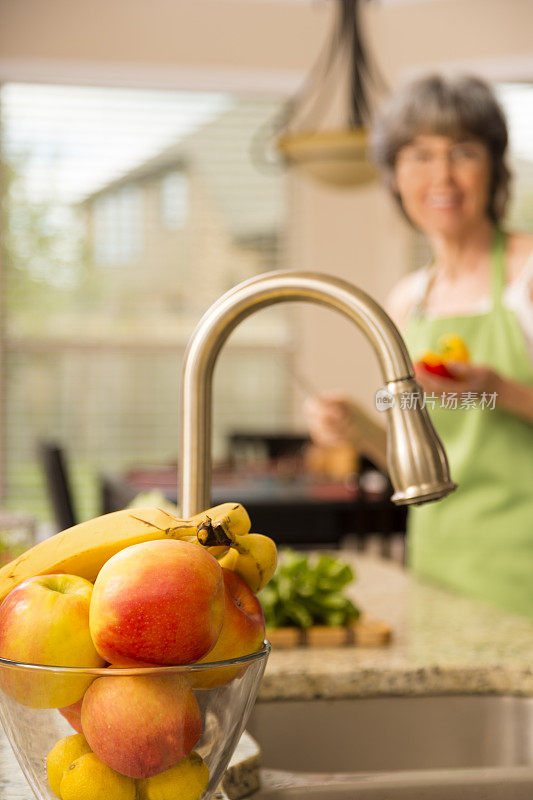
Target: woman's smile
443,201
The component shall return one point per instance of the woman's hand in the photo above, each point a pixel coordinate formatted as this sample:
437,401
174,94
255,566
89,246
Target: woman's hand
332,420
476,379
511,396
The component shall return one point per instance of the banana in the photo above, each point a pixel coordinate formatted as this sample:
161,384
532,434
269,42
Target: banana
83,549
220,525
254,557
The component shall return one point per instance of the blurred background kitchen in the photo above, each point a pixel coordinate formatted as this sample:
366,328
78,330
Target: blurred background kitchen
138,184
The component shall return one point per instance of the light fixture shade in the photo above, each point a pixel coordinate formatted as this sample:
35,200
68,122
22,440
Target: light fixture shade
334,157
323,130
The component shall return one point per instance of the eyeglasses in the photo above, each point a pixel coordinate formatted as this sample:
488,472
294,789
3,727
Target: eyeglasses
422,158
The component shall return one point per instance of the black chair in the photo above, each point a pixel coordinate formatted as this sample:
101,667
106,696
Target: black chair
55,469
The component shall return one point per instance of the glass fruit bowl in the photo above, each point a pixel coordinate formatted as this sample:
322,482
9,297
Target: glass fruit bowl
148,732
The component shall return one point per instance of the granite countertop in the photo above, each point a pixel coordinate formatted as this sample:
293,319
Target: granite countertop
442,644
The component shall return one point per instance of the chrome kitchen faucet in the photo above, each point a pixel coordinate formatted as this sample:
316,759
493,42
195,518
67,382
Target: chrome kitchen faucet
417,462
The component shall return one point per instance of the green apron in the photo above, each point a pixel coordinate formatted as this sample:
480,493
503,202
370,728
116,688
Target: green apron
479,539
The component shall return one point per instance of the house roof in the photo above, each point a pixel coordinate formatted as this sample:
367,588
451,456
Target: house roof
220,152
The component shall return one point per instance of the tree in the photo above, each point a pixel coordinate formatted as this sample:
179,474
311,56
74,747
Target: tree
44,260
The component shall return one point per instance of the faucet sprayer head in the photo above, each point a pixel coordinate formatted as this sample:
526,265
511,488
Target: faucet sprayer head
417,462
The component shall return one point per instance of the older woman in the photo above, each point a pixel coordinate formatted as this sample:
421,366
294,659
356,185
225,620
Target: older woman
441,145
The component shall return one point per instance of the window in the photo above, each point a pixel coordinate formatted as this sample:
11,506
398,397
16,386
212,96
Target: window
118,227
174,200
127,214
517,102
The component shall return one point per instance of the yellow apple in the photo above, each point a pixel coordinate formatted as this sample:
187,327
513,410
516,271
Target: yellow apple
45,620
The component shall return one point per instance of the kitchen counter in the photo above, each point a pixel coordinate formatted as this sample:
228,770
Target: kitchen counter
13,784
442,644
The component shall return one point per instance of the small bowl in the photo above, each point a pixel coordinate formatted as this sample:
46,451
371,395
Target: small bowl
123,730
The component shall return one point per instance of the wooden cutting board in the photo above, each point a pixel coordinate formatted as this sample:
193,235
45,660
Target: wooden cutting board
365,632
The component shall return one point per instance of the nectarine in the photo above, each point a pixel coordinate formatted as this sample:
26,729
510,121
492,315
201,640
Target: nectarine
141,725
243,631
158,602
72,714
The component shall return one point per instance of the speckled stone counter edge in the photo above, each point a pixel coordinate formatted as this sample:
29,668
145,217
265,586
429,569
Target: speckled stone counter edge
404,681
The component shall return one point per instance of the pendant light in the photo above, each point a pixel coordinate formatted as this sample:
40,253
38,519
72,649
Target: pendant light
323,130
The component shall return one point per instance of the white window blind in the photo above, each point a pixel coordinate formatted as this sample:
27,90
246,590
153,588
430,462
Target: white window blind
126,214
517,102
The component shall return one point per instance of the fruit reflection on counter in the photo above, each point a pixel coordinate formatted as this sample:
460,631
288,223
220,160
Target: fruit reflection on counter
166,592
450,348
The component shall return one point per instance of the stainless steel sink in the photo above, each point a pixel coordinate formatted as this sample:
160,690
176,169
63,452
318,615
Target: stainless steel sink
398,747
488,784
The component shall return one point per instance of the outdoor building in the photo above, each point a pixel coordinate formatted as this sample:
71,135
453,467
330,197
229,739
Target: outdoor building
190,222
97,366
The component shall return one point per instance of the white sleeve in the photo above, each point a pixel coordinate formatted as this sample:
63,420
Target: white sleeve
517,298
419,287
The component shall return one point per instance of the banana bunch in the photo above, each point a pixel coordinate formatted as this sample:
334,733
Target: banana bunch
83,549
254,557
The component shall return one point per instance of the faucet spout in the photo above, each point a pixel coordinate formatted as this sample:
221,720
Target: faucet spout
417,462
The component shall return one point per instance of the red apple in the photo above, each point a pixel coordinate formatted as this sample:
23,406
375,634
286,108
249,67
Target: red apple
159,602
243,631
72,714
45,620
141,725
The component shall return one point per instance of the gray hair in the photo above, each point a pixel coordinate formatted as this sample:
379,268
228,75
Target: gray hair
457,107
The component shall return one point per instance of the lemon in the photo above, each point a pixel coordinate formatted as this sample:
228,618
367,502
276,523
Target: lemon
88,778
186,780
62,754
